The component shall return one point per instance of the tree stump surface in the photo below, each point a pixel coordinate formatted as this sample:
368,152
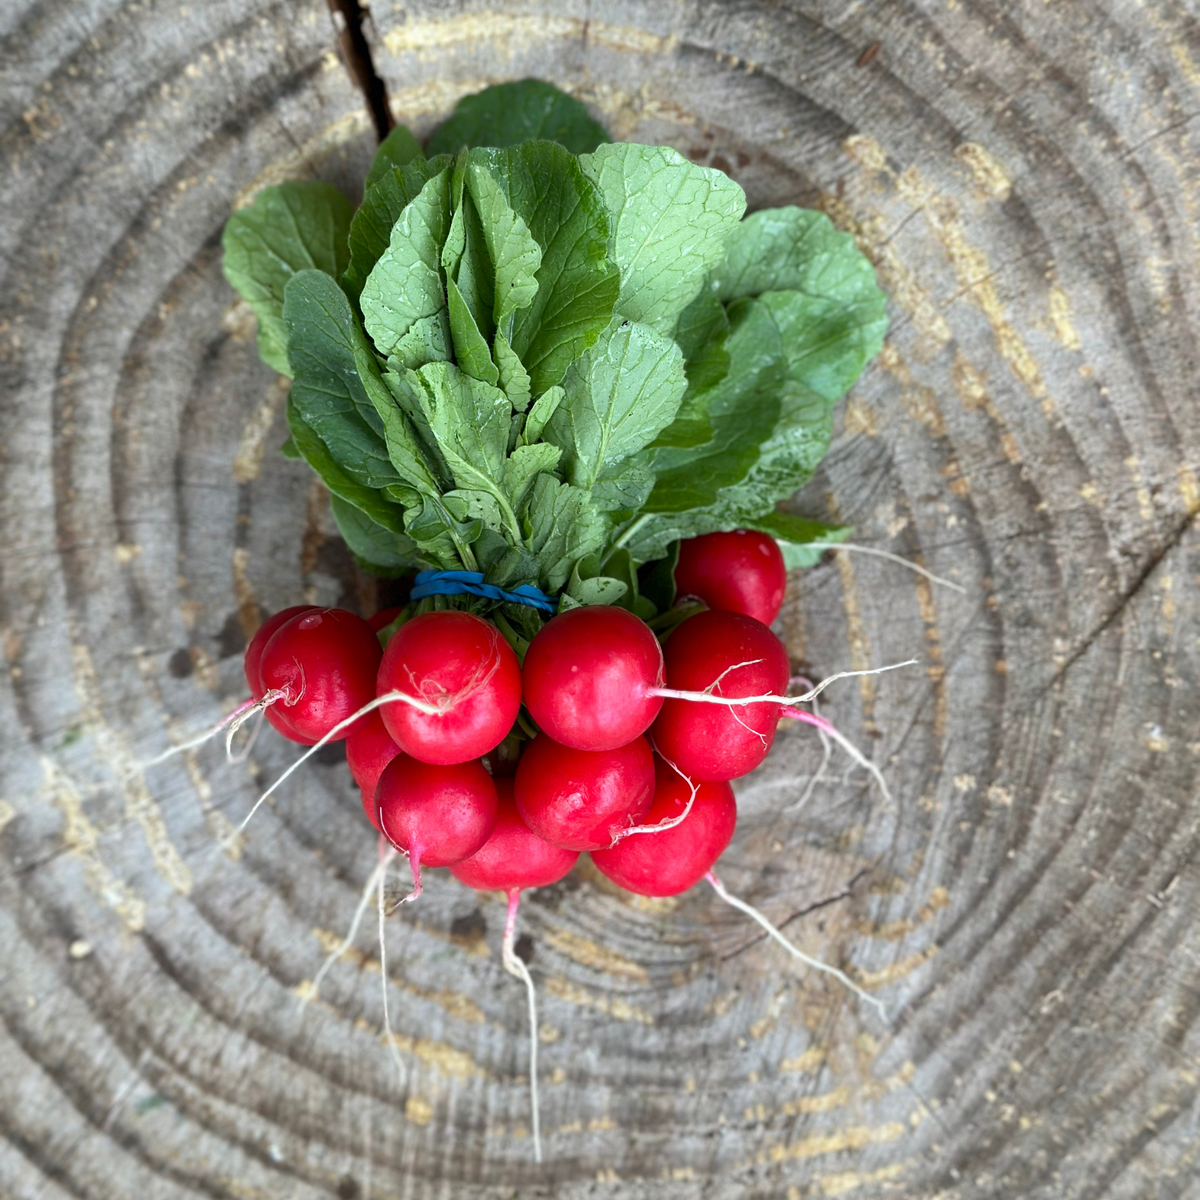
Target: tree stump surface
1025,179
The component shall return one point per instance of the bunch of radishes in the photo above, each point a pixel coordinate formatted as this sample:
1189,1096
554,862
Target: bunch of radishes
532,370
620,735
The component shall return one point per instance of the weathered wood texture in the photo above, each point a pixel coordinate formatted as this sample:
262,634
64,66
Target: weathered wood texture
1025,178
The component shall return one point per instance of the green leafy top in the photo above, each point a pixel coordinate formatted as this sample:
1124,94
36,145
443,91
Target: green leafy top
548,360
511,113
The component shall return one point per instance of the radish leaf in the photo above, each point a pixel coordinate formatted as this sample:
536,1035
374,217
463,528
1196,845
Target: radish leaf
671,220
514,254
398,149
314,451
560,527
327,391
577,281
382,550
620,394
700,335
339,392
510,113
382,206
514,379
742,409
551,368
288,228
470,348
405,286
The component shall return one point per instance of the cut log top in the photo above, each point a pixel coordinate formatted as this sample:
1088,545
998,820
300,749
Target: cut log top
1024,177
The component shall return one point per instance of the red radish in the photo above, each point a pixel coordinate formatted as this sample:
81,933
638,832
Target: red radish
725,655
369,748
579,799
513,857
253,657
669,862
588,675
741,572
324,661
280,725
464,668
438,815
262,636
384,617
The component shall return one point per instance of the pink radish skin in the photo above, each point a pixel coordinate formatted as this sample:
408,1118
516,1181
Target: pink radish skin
438,815
513,857
324,661
262,636
740,572
369,749
464,667
588,675
253,657
670,862
714,742
579,799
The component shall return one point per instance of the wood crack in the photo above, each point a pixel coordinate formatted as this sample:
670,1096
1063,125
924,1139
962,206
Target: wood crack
1127,597
348,18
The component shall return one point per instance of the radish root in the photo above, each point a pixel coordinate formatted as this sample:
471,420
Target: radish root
895,558
414,865
826,729
368,892
441,700
826,755
669,822
383,974
515,966
242,715
232,723
251,738
816,964
370,706
706,697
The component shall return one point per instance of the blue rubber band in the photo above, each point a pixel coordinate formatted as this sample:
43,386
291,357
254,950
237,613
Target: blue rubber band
470,583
